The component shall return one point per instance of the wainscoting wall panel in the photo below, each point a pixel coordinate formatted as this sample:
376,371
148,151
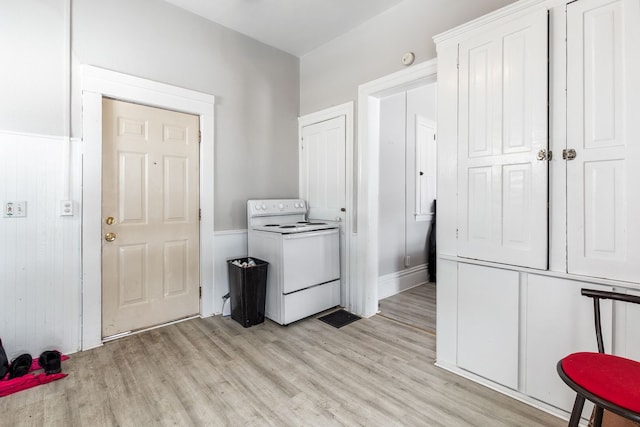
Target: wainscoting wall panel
40,289
228,245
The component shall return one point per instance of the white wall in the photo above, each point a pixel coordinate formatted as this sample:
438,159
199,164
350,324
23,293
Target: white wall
331,74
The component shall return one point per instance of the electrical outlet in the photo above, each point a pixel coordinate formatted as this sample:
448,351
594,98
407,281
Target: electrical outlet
66,208
15,209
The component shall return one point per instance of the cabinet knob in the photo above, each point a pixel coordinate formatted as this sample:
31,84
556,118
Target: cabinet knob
542,155
569,154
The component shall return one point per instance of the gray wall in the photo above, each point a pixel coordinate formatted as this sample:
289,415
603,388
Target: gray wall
399,233
331,74
256,89
256,86
32,74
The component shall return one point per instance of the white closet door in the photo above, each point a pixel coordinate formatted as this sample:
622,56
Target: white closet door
502,186
603,91
322,169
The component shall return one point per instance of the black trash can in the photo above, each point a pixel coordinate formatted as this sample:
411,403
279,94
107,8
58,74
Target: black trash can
247,290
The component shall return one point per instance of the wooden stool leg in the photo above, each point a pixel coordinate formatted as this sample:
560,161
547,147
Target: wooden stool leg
577,411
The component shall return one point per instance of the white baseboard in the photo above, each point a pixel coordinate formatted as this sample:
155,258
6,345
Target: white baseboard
560,413
400,281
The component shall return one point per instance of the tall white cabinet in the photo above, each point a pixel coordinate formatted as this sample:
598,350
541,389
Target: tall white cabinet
539,159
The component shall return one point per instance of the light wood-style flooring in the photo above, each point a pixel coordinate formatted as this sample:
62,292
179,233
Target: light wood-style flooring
415,306
213,372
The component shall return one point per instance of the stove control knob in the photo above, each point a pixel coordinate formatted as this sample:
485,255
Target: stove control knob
281,206
257,207
264,206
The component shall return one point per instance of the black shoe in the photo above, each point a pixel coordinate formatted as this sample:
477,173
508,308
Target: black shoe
20,366
50,362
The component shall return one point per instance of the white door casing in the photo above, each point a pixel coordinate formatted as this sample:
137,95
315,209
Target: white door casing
96,84
326,176
603,69
150,271
502,185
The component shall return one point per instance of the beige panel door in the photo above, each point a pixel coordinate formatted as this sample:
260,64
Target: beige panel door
150,214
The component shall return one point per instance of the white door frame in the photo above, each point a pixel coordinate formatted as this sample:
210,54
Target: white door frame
364,290
96,83
346,110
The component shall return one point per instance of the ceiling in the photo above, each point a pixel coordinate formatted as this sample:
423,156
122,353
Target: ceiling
295,26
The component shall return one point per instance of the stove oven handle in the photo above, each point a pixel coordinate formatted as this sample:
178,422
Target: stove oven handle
310,234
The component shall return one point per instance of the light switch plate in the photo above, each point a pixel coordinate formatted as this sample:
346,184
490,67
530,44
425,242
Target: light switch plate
15,209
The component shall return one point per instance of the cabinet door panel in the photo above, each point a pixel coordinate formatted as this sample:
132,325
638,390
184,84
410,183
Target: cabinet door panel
558,321
488,332
602,97
502,186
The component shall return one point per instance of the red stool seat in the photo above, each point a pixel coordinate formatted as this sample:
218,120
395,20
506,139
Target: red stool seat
609,377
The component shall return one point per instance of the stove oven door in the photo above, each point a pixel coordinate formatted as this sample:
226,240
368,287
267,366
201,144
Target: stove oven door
309,259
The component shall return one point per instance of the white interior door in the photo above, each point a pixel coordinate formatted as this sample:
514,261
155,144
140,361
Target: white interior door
603,106
426,155
322,179
502,186
150,207
323,169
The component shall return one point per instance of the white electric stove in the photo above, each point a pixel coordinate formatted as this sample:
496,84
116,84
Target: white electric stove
303,255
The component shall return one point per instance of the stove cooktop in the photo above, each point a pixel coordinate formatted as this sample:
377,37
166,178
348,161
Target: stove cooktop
296,227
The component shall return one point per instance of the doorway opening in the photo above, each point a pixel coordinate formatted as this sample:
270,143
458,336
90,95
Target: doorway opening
369,144
407,191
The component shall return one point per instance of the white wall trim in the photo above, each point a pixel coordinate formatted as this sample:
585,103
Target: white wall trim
400,281
521,6
230,232
96,83
347,110
34,135
364,290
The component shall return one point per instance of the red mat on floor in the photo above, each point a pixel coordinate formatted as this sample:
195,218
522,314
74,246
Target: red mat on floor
24,382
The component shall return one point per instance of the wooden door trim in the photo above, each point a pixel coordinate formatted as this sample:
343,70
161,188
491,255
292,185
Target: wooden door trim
96,84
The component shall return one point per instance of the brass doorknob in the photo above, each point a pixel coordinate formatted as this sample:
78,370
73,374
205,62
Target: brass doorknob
110,237
110,220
